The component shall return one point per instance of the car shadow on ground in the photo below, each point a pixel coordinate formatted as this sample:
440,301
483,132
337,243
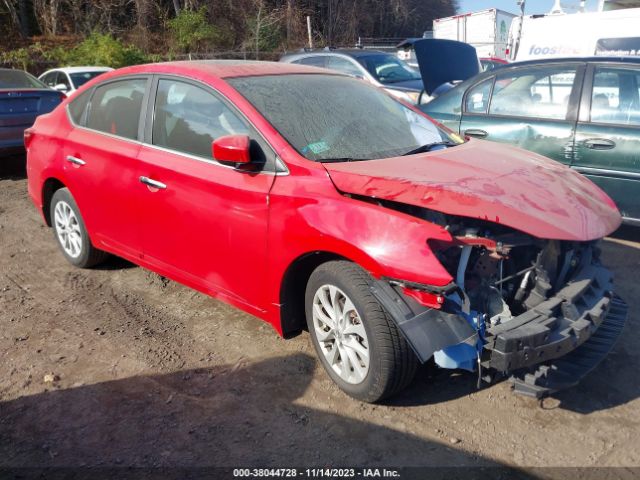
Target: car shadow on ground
235,415
13,167
114,263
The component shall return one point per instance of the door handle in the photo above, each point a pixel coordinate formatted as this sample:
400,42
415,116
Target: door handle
75,160
153,183
599,144
476,132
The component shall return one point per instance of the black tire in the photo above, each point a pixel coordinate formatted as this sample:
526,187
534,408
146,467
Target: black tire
88,255
392,363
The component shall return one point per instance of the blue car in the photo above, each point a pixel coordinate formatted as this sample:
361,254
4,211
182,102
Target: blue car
22,98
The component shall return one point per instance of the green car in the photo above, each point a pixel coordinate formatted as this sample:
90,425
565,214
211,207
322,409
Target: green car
583,112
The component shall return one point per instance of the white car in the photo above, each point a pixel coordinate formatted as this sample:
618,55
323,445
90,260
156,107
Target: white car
69,79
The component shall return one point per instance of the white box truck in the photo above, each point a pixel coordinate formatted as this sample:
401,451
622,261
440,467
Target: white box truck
486,30
605,33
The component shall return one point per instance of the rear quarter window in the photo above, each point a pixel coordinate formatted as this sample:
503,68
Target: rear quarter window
78,107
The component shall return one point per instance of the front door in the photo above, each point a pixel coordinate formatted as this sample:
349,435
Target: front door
608,135
531,108
205,222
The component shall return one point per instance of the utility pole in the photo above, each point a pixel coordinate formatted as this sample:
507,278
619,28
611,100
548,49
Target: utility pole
309,31
330,29
516,47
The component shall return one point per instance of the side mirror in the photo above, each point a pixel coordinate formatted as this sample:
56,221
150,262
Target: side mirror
231,148
61,87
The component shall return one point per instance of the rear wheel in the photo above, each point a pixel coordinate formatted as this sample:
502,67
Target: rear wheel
358,344
70,232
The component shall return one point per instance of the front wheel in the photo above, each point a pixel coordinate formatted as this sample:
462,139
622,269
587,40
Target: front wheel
70,232
358,344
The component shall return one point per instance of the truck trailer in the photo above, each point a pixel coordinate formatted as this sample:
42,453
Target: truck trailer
486,30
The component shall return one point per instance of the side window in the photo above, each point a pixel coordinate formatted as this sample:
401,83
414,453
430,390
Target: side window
616,96
343,65
50,79
78,106
540,93
64,80
115,107
478,97
188,118
318,61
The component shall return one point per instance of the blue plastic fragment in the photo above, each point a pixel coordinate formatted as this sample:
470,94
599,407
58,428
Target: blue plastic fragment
463,355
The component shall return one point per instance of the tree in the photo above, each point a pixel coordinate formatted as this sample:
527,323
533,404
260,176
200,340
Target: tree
191,29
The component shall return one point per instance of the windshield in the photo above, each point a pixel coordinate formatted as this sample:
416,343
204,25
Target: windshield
19,79
81,78
331,117
388,68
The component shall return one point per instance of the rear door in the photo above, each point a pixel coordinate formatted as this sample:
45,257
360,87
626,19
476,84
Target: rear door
205,222
534,108
608,134
100,161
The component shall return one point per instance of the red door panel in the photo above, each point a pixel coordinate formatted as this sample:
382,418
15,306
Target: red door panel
100,171
208,227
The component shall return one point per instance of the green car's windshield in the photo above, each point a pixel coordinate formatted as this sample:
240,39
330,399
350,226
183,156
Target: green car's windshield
330,117
388,68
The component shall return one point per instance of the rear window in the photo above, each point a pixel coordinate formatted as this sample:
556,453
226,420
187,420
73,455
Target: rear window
81,78
333,118
19,79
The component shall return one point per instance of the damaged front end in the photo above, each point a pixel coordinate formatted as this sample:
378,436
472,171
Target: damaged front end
540,311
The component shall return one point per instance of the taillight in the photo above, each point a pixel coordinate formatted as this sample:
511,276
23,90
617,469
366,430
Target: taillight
63,97
28,136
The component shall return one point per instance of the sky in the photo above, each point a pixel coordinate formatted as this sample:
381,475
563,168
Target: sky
533,6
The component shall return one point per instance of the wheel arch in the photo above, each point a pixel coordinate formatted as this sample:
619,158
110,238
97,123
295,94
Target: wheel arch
49,187
293,286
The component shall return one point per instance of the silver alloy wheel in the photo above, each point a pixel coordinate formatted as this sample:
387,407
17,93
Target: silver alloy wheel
68,229
341,334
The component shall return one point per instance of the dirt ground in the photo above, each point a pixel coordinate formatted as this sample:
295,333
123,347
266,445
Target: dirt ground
149,373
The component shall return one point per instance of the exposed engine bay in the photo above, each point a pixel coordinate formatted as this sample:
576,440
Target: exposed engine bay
516,301
505,274
499,271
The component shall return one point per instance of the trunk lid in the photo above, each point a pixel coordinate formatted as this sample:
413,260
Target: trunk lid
20,107
444,61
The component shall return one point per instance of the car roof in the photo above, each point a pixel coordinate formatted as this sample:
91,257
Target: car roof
81,69
350,52
544,61
225,68
592,59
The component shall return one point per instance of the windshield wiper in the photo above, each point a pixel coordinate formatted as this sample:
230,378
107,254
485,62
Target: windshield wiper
427,147
341,159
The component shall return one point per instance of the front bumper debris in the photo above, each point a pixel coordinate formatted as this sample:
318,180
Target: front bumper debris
545,349
556,326
567,371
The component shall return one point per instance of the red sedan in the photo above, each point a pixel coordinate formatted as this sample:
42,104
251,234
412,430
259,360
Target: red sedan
314,201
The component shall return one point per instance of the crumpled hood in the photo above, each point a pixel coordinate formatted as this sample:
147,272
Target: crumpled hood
490,181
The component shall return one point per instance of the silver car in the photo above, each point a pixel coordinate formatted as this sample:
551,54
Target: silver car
380,68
